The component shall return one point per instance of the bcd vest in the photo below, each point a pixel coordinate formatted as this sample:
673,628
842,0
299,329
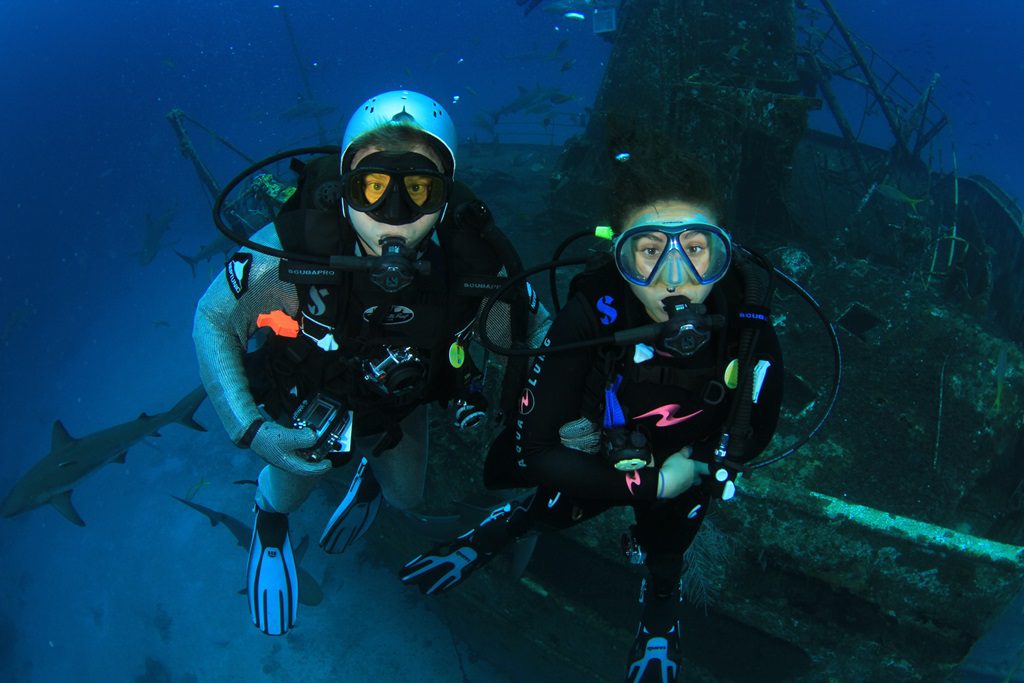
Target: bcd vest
347,322
616,308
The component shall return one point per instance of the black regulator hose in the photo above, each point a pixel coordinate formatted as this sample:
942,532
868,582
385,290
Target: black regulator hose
635,335
837,375
552,279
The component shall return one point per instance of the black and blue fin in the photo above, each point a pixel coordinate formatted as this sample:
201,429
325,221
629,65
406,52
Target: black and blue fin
355,514
272,581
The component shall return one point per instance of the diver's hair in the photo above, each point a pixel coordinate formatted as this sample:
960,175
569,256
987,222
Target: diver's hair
657,175
646,165
398,137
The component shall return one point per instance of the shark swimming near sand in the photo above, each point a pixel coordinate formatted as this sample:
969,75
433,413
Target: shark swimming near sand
70,460
310,592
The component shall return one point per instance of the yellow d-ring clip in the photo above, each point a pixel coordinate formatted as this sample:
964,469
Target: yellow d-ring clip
456,355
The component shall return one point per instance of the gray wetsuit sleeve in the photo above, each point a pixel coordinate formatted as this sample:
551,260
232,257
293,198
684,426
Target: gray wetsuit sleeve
223,325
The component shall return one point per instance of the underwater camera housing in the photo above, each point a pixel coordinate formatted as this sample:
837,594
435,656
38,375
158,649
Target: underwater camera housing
396,372
331,423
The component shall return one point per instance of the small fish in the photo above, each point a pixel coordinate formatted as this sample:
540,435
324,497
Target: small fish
733,55
196,488
573,16
1000,373
897,195
523,158
622,157
566,65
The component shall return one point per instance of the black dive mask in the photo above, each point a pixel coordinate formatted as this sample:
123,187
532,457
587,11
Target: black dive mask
396,267
688,326
396,188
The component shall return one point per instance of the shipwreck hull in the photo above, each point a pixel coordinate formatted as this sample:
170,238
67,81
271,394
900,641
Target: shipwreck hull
867,594
807,587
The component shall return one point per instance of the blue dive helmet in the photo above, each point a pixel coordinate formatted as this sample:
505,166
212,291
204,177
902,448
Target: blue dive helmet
405,107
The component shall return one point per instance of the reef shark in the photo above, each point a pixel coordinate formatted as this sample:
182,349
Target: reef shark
153,236
539,100
307,109
52,479
220,246
310,592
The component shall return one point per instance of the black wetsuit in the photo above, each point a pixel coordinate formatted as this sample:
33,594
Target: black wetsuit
667,397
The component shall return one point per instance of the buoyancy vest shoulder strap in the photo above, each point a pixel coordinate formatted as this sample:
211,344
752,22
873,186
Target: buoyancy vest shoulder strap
310,221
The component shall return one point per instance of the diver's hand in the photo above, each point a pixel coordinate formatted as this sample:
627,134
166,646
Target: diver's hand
679,473
280,447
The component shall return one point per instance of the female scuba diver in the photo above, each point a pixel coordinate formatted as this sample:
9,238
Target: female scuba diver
366,287
643,424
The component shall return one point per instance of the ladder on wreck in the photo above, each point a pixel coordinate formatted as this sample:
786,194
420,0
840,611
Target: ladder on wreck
831,51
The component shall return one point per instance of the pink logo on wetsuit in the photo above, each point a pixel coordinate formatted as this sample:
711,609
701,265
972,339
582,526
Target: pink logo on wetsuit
666,417
632,480
526,402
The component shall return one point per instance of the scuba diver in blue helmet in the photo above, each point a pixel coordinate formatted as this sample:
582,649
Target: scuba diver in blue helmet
365,291
613,416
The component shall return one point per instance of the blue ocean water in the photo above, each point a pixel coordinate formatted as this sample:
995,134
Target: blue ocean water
90,335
